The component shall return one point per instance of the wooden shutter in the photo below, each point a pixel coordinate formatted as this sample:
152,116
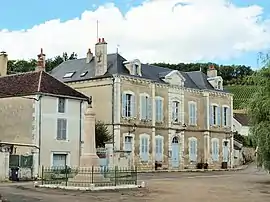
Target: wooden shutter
124,105
133,106
218,116
149,108
143,107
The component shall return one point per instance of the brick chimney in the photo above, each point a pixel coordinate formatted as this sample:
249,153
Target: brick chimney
212,72
101,57
3,63
41,61
89,56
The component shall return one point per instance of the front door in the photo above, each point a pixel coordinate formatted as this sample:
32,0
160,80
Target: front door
175,152
225,152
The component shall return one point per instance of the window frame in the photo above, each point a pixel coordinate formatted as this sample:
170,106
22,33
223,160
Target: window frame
176,112
129,105
60,130
159,116
61,105
149,108
192,119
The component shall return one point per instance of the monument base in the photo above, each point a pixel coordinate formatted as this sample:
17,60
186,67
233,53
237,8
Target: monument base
89,172
89,161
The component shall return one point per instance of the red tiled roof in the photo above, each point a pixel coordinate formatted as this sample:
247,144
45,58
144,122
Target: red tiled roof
31,83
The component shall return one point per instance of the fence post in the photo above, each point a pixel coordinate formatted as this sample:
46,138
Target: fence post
136,176
42,174
66,175
115,175
92,175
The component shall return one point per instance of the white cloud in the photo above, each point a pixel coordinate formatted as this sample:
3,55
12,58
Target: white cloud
158,30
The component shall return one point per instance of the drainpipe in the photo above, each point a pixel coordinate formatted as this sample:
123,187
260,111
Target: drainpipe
39,131
80,133
113,90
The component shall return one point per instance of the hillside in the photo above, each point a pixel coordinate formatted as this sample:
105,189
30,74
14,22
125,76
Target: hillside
242,93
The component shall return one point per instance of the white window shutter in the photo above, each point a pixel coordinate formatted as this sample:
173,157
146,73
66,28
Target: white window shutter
229,113
161,110
190,150
143,107
133,106
223,119
211,117
218,116
124,104
195,114
195,150
190,113
149,109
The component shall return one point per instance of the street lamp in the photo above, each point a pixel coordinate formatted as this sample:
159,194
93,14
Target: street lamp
132,129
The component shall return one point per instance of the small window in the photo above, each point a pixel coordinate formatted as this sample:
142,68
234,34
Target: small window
61,129
219,85
83,74
59,160
61,105
69,75
175,111
128,143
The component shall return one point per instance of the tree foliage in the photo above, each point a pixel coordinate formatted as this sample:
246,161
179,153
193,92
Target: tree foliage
259,113
18,66
102,134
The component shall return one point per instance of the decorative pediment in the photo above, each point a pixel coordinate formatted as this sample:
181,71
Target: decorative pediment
174,78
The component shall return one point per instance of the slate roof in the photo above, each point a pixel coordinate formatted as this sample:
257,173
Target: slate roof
32,83
194,79
241,118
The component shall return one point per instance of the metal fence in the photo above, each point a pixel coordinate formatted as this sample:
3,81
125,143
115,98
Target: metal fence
85,177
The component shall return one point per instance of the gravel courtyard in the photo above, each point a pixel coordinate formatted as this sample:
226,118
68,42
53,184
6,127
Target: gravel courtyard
248,185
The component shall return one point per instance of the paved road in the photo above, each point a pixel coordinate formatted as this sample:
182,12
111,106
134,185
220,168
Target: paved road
241,186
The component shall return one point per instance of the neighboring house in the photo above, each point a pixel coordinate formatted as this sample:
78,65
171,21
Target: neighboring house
241,123
182,118
40,116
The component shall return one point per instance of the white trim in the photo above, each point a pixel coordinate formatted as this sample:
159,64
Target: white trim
128,92
67,153
133,140
175,72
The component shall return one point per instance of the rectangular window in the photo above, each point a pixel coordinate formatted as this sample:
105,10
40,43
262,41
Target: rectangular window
175,111
128,143
59,160
159,110
61,129
61,105
192,113
128,105
146,108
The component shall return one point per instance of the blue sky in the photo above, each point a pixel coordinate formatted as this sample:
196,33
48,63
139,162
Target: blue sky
17,15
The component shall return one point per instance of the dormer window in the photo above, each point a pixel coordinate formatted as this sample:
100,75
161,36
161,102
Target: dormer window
219,85
69,75
83,74
135,69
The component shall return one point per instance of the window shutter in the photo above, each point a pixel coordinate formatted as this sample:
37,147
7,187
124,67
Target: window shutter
133,106
217,156
145,155
218,116
229,117
142,148
149,109
158,149
190,150
190,113
58,129
143,107
173,111
195,150
195,114
157,109
124,104
64,129
161,110
223,117
211,117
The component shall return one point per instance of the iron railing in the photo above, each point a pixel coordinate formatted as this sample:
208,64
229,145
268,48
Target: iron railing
85,177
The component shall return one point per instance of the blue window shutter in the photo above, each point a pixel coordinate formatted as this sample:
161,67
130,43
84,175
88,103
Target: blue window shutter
158,149
217,156
173,111
142,148
195,150
223,118
211,115
145,149
143,107
149,109
133,106
196,114
124,104
218,116
229,117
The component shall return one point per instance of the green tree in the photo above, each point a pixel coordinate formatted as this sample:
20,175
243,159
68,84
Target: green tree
259,113
102,134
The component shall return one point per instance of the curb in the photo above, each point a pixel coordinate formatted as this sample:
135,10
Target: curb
194,170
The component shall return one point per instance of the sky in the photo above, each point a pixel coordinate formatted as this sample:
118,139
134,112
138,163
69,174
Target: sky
171,31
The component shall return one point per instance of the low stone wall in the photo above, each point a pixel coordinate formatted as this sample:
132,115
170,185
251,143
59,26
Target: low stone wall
249,154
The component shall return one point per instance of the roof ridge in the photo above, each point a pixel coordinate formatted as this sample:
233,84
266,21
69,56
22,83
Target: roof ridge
19,73
39,81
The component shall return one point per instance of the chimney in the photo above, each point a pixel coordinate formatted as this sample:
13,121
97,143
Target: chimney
3,63
101,57
212,72
41,61
89,56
